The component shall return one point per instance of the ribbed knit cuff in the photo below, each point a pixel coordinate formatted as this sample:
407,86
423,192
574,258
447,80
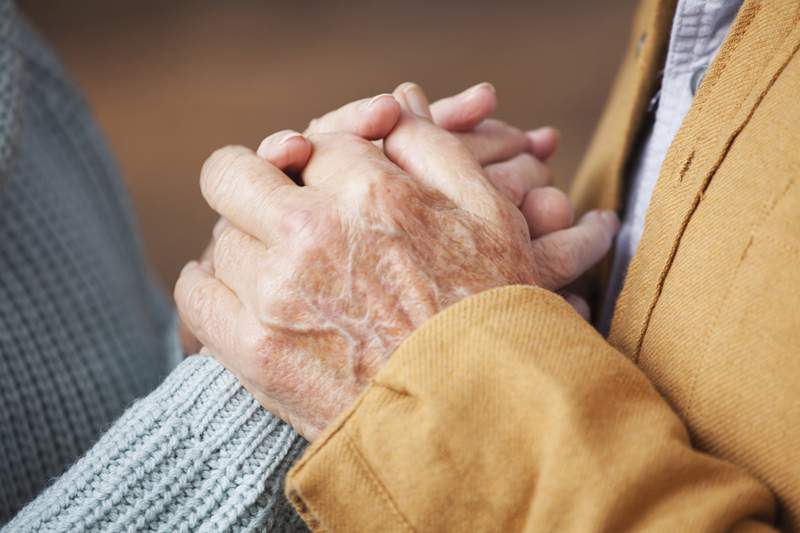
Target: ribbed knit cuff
197,454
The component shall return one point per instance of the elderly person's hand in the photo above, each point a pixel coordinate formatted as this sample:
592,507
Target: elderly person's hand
514,160
319,284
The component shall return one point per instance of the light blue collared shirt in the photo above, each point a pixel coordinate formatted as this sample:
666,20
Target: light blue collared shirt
698,30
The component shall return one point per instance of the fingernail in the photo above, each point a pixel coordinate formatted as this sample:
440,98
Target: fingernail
416,100
610,217
376,98
289,136
538,132
477,89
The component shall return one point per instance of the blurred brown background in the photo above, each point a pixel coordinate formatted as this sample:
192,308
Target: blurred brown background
171,81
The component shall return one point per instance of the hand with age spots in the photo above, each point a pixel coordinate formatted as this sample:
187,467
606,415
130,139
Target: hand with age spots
513,160
312,288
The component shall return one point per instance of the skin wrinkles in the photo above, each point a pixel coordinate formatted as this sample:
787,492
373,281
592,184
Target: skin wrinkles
411,248
465,114
339,273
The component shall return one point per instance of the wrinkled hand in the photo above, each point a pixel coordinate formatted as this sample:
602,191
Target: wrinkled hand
319,284
513,160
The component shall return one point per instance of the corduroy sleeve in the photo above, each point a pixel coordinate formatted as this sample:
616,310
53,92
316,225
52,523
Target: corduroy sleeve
507,412
197,454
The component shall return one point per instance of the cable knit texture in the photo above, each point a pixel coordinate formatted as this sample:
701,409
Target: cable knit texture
84,332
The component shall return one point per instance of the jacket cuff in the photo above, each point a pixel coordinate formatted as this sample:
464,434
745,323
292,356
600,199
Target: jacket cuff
508,411
334,476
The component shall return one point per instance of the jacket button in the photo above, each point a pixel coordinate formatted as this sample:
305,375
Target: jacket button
640,44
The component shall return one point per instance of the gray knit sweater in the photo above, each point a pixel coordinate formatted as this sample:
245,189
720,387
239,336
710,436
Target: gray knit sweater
84,332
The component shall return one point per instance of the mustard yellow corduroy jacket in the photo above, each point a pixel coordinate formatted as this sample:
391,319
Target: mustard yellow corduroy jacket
506,412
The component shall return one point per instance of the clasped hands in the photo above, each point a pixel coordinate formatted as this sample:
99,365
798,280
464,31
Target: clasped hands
406,208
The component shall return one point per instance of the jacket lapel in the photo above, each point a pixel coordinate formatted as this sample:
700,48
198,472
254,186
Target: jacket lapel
763,38
598,182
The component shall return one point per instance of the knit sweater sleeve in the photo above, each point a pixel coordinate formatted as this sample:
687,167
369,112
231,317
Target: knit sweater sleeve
197,454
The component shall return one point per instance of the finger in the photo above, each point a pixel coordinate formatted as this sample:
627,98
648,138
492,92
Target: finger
339,159
288,150
370,118
439,160
546,210
544,142
411,97
209,309
578,303
493,141
517,176
207,257
562,256
262,359
238,261
189,343
251,193
464,111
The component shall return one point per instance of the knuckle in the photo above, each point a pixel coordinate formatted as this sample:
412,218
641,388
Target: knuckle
515,221
299,224
199,308
529,162
368,125
558,261
183,287
228,242
536,171
216,177
504,129
361,146
314,126
371,185
553,203
509,183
